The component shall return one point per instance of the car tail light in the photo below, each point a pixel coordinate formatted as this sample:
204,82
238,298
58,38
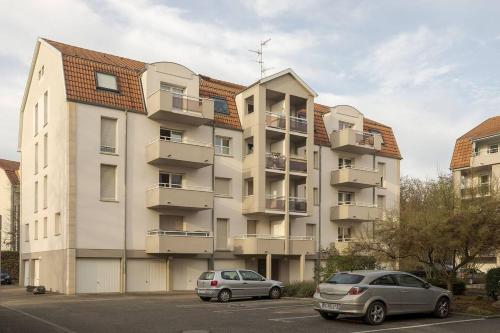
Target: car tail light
213,283
357,290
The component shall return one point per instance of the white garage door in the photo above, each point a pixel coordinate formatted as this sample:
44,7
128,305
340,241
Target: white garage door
27,273
36,272
186,272
229,264
146,275
97,275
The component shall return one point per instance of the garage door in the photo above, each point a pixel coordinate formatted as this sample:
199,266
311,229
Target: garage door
146,275
229,264
97,275
36,272
186,272
26,273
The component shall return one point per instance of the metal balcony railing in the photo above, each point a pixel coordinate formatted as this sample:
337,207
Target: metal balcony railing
174,233
298,164
275,202
180,187
182,140
259,236
365,139
298,205
187,103
275,161
275,120
298,124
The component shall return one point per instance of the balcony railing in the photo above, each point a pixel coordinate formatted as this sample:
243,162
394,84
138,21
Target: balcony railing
365,139
184,242
183,140
298,205
274,202
481,190
351,140
275,120
298,124
260,236
160,232
275,161
259,244
186,103
298,164
180,186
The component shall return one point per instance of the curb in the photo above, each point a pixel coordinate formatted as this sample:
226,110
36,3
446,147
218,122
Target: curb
476,315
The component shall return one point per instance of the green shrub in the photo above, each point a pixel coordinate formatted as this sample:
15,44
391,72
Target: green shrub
492,278
341,263
10,264
300,289
458,285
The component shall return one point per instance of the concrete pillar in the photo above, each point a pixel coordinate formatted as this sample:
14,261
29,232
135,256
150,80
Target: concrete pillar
302,267
70,271
287,176
268,265
168,273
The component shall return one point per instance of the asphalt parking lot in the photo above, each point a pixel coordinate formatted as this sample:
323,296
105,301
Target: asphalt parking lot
184,312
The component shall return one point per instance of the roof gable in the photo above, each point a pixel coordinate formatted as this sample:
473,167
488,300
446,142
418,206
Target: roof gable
11,169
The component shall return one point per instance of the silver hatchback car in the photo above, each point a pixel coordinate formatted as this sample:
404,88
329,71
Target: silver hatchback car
235,283
375,294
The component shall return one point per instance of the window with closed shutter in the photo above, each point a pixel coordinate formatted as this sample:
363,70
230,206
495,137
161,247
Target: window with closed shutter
223,186
310,230
222,233
108,135
108,182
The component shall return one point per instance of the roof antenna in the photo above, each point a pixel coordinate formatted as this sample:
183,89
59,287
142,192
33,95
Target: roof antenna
260,59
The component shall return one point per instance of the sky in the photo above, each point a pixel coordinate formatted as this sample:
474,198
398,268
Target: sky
428,69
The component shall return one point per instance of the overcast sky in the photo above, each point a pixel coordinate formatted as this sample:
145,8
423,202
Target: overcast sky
428,69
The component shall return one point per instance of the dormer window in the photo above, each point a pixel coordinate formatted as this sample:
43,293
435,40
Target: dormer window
106,81
220,105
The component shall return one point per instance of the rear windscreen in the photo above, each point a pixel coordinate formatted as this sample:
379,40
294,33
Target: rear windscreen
345,278
207,276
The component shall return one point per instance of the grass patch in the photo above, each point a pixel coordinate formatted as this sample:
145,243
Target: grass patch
300,289
475,305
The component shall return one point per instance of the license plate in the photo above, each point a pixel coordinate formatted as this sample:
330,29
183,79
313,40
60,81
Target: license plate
330,306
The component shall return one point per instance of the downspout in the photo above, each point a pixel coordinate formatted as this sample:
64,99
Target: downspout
212,256
124,255
318,263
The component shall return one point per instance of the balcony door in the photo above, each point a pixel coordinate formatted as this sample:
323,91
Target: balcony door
171,223
177,94
346,198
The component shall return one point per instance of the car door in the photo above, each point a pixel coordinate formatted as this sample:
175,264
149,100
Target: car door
253,283
233,281
387,288
415,297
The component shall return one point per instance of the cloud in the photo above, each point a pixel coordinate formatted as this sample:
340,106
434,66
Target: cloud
270,9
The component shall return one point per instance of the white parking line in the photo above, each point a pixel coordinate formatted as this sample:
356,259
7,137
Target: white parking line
266,308
64,329
418,326
287,319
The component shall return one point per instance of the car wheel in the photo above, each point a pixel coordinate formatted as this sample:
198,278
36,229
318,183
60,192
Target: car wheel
275,293
205,299
224,295
375,314
328,315
442,309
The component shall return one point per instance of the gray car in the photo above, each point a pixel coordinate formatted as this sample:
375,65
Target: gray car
236,283
375,294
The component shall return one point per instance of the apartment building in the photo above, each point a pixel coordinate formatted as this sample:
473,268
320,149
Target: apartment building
9,205
138,177
475,165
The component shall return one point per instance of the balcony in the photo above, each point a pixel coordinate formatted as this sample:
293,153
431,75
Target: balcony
185,153
482,190
168,106
274,202
184,242
354,212
275,120
298,164
483,158
259,244
355,177
298,124
350,140
275,161
163,196
297,205
302,245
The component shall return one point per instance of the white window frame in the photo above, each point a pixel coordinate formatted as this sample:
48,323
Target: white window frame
100,85
26,232
342,235
342,196
226,246
170,184
45,227
115,198
227,195
220,148
108,149
174,136
347,163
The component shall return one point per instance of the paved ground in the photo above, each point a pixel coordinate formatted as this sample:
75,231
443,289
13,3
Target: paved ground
21,312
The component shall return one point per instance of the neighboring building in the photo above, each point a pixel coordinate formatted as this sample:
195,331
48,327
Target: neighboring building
138,177
9,205
476,168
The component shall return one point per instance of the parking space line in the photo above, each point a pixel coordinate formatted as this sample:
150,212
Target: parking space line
265,308
418,326
59,327
287,319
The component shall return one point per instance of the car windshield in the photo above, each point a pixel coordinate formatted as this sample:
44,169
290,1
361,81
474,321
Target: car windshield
345,278
207,276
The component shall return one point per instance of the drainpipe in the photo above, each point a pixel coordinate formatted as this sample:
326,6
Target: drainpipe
212,256
318,261
124,255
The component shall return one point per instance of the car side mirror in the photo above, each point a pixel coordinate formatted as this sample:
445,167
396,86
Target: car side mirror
427,285
263,279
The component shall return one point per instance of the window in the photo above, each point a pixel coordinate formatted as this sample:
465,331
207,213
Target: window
45,185
381,171
45,108
222,145
346,163
476,151
249,145
207,276
220,105
108,182
493,149
27,232
230,275
345,278
381,204
344,234
57,224
223,186
251,276
36,230
344,124
36,118
249,105
41,72
485,179
45,150
316,160
251,227
310,230
222,234
316,196
108,135
170,180
36,158
386,280
36,197
409,281
170,135
106,81
248,186
346,198
173,89
171,222
45,227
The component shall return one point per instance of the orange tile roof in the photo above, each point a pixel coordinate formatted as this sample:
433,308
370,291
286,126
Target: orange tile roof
81,64
463,146
11,169
389,146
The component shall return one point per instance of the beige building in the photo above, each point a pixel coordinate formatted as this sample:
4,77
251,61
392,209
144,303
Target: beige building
9,205
475,165
138,177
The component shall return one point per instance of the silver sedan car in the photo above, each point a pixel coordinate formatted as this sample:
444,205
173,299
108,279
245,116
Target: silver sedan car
236,283
375,294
